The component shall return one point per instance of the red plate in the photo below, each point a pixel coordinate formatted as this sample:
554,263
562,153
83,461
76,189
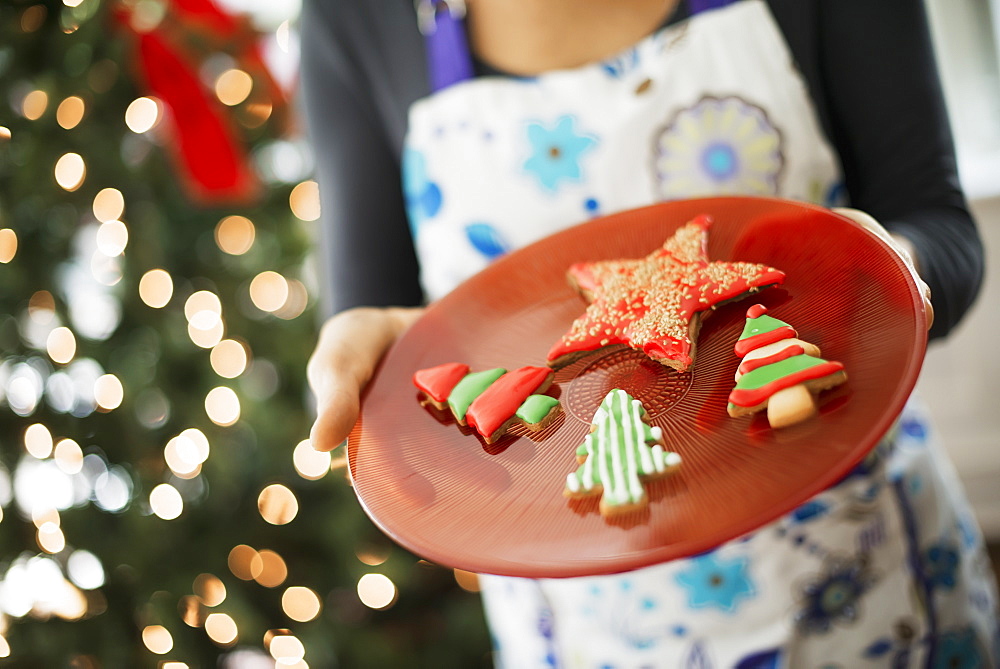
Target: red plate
441,492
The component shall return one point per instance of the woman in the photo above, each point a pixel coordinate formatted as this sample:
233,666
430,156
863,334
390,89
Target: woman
529,116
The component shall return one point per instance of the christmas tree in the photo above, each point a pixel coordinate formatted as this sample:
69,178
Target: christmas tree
161,505
779,372
619,455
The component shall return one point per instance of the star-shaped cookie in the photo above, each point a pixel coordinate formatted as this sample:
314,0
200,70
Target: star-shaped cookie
654,304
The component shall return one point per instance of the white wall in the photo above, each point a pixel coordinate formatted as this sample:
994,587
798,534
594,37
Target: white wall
960,381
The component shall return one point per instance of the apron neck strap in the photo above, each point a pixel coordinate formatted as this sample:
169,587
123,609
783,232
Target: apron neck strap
442,24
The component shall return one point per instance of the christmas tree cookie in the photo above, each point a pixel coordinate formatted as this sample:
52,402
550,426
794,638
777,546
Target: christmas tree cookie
620,454
491,401
655,304
779,372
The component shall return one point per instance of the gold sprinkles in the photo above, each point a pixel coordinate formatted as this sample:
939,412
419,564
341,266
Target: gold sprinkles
651,304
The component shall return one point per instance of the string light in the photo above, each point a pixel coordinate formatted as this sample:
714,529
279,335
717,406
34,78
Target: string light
245,562
229,358
4,647
142,115
300,603
70,171
310,463
210,590
34,105
61,345
304,201
8,245
376,591
85,570
233,87
38,441
206,338
70,112
268,291
286,649
41,307
235,235
50,538
156,287
277,504
157,639
68,456
372,556
166,501
112,238
273,569
191,611
109,205
221,629
108,392
186,452
33,17
4,133
222,406
296,301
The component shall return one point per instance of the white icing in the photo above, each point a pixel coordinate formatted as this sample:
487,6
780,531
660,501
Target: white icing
572,482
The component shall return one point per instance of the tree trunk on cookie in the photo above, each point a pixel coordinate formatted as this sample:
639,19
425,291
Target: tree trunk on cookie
779,371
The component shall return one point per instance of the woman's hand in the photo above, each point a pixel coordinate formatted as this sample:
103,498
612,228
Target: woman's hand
349,348
901,245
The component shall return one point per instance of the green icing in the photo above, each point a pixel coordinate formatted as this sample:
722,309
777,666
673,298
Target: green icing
620,450
536,408
471,387
760,325
776,370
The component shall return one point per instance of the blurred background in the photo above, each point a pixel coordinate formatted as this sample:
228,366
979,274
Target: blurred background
160,504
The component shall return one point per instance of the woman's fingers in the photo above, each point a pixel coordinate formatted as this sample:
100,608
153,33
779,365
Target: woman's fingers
902,246
349,348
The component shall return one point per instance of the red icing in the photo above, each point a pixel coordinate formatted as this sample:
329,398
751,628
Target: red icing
748,366
438,382
756,311
649,303
501,400
744,346
751,398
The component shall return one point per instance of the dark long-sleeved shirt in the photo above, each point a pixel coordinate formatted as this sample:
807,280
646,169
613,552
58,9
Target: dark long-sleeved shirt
869,68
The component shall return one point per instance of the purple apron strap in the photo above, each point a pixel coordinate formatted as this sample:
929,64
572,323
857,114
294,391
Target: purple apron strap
698,6
448,57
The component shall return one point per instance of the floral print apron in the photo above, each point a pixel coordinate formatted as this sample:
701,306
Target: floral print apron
885,569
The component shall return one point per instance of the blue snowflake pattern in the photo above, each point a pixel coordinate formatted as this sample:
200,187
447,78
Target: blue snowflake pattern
712,581
619,66
811,510
556,151
958,649
719,146
940,563
423,197
834,596
486,239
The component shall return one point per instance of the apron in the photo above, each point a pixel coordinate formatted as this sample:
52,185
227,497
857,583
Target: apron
886,568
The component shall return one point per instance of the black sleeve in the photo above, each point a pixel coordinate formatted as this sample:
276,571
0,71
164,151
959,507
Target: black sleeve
368,256
875,78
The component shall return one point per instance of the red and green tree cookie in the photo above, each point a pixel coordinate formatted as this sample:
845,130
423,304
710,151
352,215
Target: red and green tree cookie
620,454
491,401
779,372
654,304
